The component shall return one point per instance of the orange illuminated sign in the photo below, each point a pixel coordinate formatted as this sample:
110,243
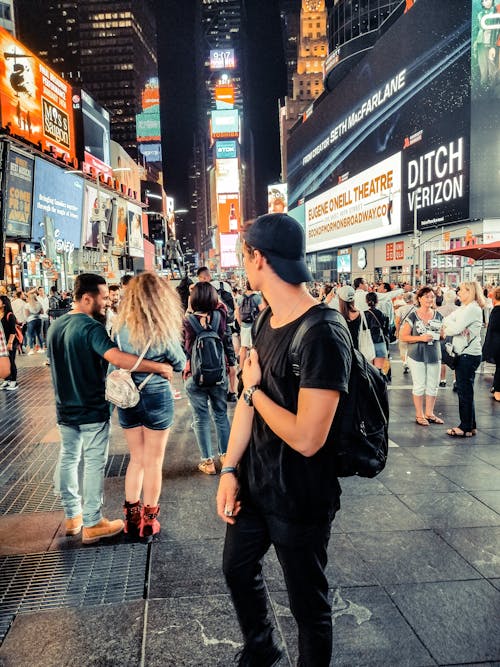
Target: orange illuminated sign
35,103
228,213
224,97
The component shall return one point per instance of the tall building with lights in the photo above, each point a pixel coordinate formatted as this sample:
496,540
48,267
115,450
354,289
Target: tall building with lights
109,48
7,16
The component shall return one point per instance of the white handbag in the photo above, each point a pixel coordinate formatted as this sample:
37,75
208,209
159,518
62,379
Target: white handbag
121,389
365,341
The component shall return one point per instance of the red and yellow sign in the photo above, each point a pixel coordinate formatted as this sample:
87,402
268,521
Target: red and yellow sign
228,213
224,96
35,103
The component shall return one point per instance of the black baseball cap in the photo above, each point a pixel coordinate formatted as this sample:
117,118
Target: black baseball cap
281,240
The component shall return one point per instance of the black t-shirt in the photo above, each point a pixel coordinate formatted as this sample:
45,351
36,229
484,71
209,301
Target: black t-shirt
76,345
274,477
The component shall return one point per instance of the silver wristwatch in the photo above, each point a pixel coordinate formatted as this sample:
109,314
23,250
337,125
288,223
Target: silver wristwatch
248,393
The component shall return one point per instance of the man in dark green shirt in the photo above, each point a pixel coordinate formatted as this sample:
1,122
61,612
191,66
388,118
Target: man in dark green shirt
80,349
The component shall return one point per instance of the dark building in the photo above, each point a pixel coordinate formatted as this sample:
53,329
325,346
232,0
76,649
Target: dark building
107,47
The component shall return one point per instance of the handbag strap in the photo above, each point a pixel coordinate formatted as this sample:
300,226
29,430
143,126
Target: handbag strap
364,323
140,358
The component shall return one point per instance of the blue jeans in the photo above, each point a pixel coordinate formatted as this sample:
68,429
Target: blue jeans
465,374
91,440
200,398
302,553
34,332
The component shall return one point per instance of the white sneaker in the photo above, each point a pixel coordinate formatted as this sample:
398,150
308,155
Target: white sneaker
40,351
11,386
31,352
4,384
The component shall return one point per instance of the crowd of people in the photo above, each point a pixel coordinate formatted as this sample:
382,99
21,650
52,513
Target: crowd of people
277,481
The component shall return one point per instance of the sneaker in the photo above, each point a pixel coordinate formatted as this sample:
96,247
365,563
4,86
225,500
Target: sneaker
3,384
176,395
74,525
105,528
31,352
40,351
442,383
455,387
231,397
266,658
406,370
207,466
11,386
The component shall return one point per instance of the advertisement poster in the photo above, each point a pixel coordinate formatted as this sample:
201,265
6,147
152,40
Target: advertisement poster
227,177
35,103
120,227
135,239
225,124
228,255
57,208
366,206
228,213
19,195
406,95
277,198
100,212
148,124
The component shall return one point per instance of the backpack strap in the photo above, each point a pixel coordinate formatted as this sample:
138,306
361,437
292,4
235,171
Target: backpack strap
214,322
258,322
140,358
320,315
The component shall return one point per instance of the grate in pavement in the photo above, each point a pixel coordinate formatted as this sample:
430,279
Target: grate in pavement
23,497
74,578
117,465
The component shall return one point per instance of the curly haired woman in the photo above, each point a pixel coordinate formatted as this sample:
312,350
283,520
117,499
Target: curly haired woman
149,313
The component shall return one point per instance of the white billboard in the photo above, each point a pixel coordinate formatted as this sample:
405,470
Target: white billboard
364,207
227,176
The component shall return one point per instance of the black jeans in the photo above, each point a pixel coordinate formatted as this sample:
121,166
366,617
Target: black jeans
465,373
13,368
496,377
302,553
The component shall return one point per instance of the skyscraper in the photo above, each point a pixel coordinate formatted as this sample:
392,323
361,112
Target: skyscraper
7,16
109,48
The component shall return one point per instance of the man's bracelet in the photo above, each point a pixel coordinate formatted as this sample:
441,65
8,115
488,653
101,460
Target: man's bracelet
228,469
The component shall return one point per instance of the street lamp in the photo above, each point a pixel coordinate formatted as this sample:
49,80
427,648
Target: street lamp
417,234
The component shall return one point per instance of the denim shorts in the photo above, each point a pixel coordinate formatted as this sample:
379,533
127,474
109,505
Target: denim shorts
380,350
155,410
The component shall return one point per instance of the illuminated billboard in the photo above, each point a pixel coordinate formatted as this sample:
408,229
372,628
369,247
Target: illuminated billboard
227,178
222,59
57,208
225,124
366,206
92,131
127,172
148,124
224,96
135,238
277,198
120,226
35,103
228,254
226,149
19,191
228,213
99,218
408,97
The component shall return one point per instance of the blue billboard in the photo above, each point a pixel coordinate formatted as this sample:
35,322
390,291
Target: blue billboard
57,207
226,148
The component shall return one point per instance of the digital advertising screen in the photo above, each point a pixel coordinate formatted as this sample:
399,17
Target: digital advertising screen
19,194
226,149
344,260
228,255
227,176
365,206
228,213
225,124
277,198
222,59
407,96
99,218
120,226
135,238
35,103
224,96
57,207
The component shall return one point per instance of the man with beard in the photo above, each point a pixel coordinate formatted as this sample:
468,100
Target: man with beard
80,349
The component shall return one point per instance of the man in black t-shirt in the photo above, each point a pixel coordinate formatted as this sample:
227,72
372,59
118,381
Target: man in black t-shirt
80,350
284,491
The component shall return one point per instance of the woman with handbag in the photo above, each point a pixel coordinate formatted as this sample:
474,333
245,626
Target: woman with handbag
356,323
149,319
491,347
422,331
465,324
378,323
8,325
34,322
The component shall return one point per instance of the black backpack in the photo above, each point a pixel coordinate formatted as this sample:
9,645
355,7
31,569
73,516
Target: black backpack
248,309
208,362
359,432
227,299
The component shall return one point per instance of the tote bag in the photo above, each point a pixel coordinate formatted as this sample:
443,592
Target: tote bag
365,341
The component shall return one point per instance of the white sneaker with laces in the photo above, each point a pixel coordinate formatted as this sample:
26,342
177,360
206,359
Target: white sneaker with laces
3,384
40,351
11,386
31,352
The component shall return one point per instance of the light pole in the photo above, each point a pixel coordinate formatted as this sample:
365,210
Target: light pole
417,234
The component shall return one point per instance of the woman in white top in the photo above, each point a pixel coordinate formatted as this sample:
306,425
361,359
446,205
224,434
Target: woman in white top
465,324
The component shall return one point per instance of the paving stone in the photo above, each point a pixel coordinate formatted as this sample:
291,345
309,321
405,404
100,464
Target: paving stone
450,510
457,621
479,546
489,498
376,513
477,476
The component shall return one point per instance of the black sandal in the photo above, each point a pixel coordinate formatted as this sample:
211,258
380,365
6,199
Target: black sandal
454,433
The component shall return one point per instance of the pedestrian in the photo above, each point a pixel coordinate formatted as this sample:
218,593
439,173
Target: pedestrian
19,309
491,347
44,315
278,483
209,312
378,324
401,315
4,357
33,312
356,322
112,309
150,316
446,309
421,330
79,348
8,322
248,306
465,325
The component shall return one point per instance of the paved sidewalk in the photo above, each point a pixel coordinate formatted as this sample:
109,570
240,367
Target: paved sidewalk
414,555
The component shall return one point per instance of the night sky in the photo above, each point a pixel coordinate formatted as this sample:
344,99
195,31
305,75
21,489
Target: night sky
267,83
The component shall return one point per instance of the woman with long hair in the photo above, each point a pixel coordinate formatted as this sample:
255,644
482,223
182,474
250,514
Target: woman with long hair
34,322
465,325
491,347
205,303
8,325
378,323
149,318
422,331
